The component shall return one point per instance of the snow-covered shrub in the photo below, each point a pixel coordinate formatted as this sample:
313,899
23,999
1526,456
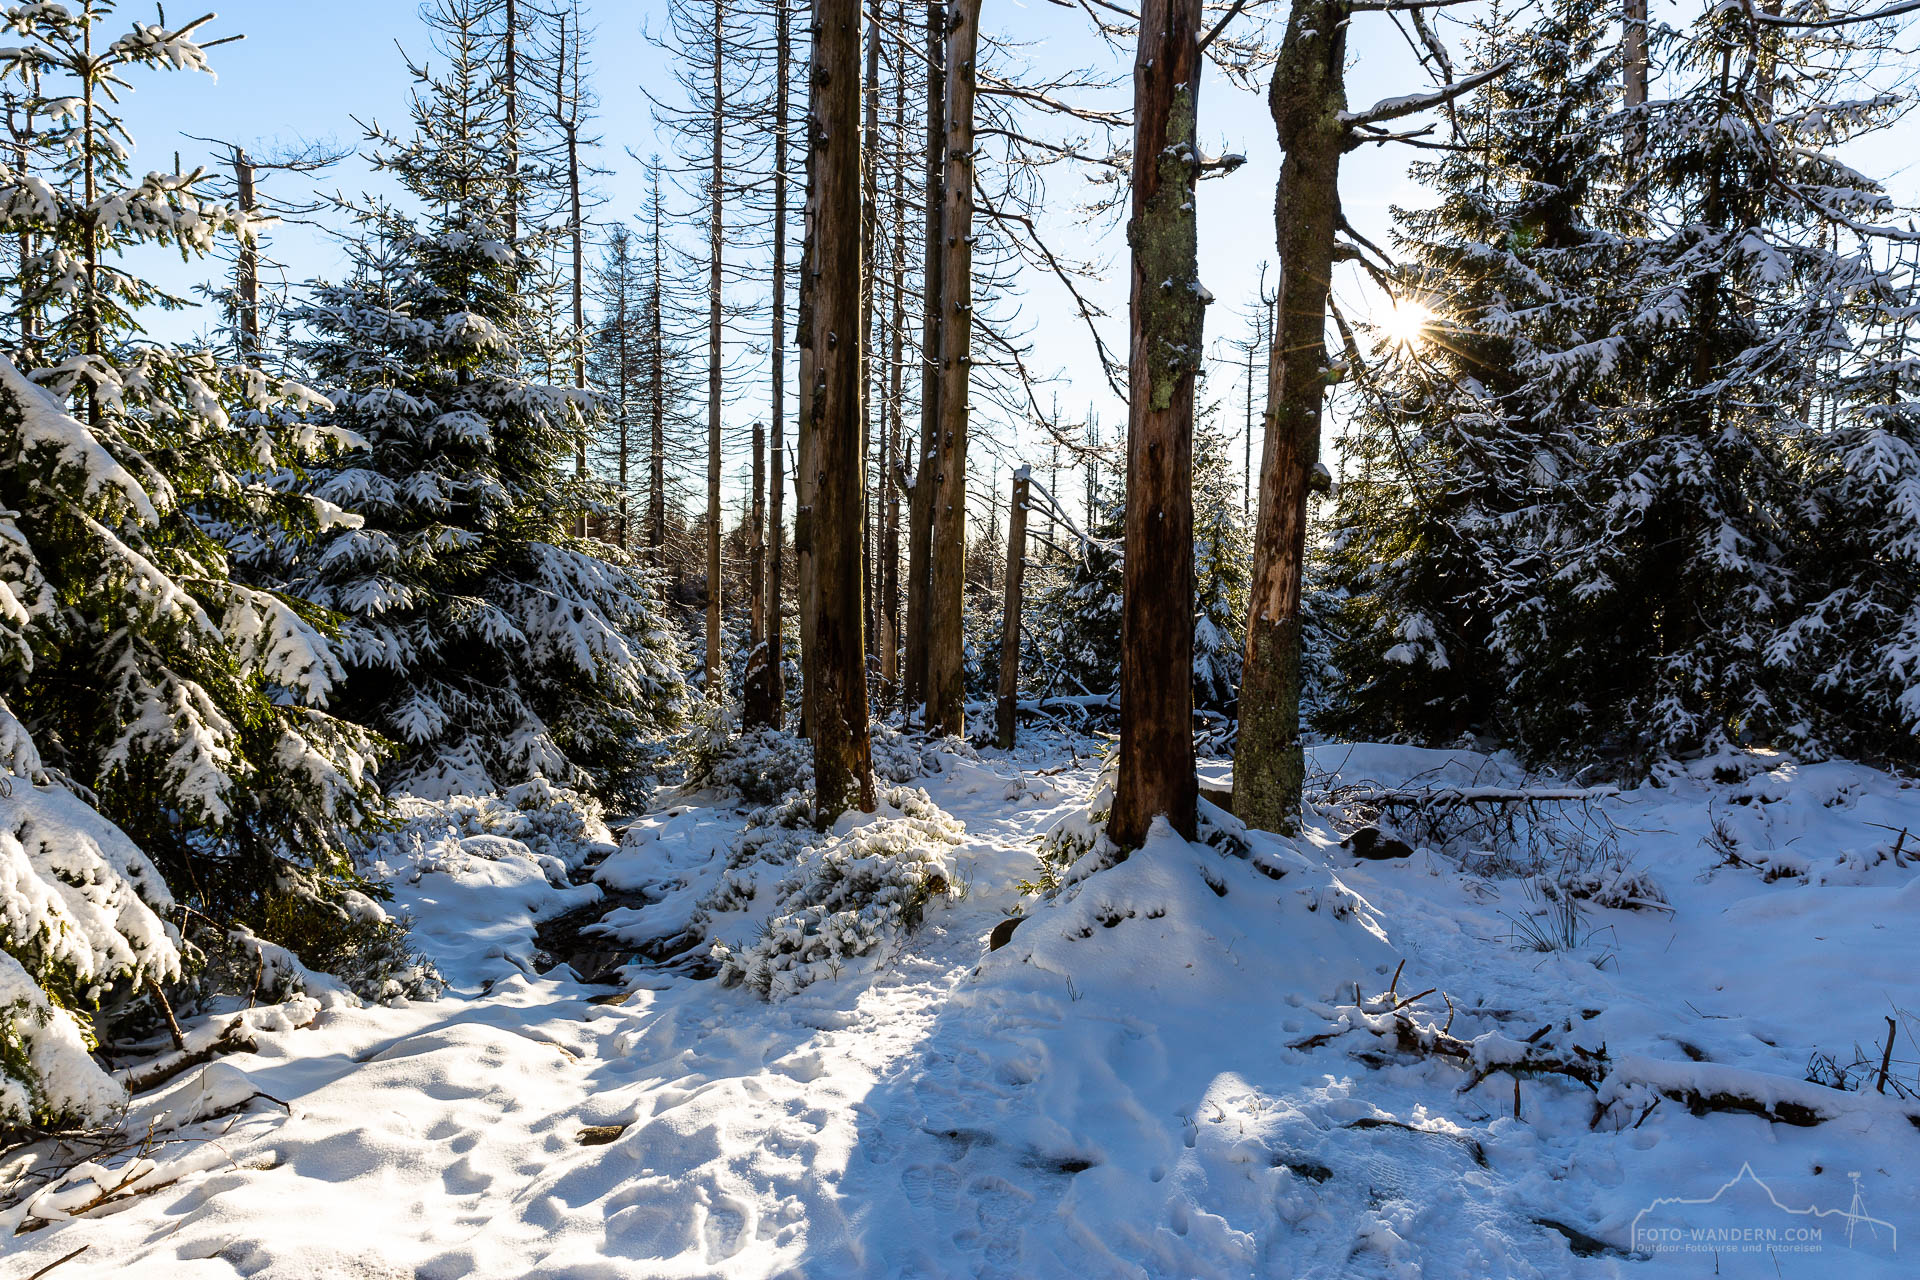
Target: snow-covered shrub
843,895
81,910
1076,845
350,946
763,765
554,822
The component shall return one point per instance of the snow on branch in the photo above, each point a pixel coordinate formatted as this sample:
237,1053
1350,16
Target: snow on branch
1413,103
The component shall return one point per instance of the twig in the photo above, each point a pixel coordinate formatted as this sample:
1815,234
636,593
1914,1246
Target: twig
57,1261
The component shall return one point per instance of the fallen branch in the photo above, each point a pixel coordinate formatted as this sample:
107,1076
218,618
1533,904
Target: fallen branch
236,1037
1702,1087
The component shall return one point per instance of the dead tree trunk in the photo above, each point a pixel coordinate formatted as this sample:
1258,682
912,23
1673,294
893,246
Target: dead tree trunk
1010,621
656,397
946,610
1307,99
758,706
836,688
806,469
715,247
1168,313
920,494
1633,70
895,427
776,489
869,298
248,282
510,89
566,108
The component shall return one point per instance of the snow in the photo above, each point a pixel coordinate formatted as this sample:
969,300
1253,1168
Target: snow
1181,1065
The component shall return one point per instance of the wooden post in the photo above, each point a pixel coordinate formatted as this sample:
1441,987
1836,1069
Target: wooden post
1168,313
1010,622
836,686
946,611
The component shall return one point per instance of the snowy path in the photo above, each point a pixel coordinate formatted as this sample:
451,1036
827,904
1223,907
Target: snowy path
1113,1094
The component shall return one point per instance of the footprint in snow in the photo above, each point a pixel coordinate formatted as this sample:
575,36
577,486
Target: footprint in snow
725,1231
938,1187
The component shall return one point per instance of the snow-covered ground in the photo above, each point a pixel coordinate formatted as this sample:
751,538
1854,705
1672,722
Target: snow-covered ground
1165,1073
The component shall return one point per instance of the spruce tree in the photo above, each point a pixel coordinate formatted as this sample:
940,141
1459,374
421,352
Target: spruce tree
481,635
144,688
1461,431
1597,506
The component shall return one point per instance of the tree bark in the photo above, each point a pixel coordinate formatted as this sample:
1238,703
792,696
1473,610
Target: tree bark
776,489
249,265
656,398
511,89
566,111
946,604
1307,98
1010,619
920,495
836,687
895,428
1633,69
1168,313
715,247
758,707
869,298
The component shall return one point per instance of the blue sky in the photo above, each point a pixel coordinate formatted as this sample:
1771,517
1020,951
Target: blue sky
301,73
304,72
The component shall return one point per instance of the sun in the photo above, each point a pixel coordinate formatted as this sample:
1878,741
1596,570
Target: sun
1405,322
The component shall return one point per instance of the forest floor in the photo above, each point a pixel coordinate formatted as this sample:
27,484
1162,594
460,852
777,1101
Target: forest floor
1166,1073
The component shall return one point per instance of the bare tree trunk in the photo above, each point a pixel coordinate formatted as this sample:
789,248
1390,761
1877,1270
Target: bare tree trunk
806,468
1307,99
249,265
836,687
946,611
1633,69
623,390
657,400
869,290
776,492
579,289
512,90
920,495
22,134
1010,619
758,707
1168,313
896,429
715,248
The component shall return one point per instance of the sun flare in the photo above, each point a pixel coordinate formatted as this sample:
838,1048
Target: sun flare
1405,322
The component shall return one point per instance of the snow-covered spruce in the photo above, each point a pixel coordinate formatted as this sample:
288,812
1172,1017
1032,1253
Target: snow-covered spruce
165,693
481,634
81,909
1649,489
